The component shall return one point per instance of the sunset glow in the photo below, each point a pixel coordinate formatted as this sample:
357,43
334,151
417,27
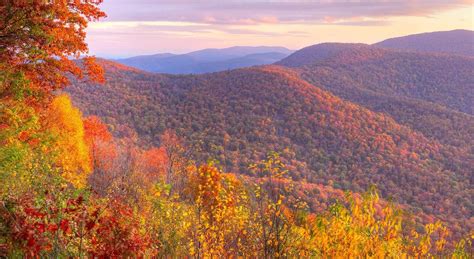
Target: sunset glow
179,26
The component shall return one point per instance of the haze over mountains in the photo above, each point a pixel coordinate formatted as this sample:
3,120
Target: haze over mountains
207,60
458,42
341,115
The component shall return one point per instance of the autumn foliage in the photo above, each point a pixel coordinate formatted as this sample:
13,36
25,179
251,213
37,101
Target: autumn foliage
69,189
36,40
238,116
65,124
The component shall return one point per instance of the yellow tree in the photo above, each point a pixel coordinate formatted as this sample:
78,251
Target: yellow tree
170,222
273,218
64,122
220,214
368,228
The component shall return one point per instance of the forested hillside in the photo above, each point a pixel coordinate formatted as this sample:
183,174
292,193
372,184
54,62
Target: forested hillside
101,160
436,78
429,93
459,42
237,116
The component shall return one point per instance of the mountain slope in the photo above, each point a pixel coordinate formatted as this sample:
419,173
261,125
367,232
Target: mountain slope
317,53
146,62
245,61
429,93
207,60
460,42
323,139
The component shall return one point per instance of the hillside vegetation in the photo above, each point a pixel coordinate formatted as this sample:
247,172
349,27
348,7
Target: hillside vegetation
237,116
429,93
247,163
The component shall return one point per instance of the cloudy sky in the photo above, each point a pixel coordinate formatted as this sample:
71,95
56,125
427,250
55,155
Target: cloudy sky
136,27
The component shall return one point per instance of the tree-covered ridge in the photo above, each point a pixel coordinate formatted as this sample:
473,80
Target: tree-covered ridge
207,60
425,92
69,189
457,42
436,78
237,116
430,93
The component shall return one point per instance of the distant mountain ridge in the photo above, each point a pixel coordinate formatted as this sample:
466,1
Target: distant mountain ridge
207,60
460,42
319,53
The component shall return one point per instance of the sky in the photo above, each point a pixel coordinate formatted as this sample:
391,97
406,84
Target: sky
139,27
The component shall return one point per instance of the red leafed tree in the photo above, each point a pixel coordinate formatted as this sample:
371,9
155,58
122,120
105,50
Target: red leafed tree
54,226
37,37
119,234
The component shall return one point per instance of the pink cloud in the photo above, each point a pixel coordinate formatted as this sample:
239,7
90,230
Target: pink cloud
271,11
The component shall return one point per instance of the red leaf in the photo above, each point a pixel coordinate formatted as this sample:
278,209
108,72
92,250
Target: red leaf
64,225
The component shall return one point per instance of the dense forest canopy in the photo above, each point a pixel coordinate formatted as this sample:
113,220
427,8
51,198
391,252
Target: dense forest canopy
237,116
435,78
255,162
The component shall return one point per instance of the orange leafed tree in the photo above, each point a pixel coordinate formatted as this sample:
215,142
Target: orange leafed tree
37,37
102,148
96,130
153,163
